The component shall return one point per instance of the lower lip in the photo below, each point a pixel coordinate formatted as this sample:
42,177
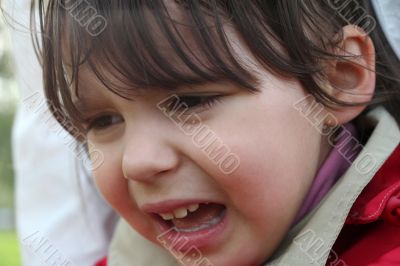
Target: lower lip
183,241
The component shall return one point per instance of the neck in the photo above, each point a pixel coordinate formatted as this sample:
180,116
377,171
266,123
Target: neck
332,167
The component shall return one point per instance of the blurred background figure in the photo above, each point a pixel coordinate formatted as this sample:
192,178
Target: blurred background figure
60,217
388,12
9,254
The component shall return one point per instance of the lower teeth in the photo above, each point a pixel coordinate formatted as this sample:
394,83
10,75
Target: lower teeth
212,222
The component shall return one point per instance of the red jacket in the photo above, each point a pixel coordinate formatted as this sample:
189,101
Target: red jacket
371,235
102,262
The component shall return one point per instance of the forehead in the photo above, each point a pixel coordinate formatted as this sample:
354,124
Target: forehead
156,47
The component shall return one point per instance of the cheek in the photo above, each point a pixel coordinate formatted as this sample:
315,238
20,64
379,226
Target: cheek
109,179
278,151
114,188
111,186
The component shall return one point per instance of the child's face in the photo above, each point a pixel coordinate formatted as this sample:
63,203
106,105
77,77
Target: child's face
151,166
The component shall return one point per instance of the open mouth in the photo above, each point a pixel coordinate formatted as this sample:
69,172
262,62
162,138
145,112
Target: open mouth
192,218
183,224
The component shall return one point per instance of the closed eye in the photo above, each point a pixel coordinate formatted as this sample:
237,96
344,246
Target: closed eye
103,121
195,102
189,102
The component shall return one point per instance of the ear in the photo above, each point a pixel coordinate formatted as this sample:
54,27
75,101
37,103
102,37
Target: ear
352,79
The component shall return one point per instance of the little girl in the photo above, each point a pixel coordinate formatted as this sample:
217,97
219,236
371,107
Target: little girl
233,133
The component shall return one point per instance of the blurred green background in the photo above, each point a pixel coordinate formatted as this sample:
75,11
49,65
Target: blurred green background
9,246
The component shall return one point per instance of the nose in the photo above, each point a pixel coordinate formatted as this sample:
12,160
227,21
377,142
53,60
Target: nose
147,156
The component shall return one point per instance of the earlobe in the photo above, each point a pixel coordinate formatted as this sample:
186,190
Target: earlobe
352,78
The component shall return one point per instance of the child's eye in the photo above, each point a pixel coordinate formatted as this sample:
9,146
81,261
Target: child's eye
198,101
103,121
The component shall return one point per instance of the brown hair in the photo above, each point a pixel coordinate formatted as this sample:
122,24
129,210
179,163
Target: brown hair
118,39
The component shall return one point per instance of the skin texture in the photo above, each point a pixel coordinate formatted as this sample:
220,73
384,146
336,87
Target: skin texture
148,159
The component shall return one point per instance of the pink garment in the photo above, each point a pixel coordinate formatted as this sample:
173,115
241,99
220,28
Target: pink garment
338,161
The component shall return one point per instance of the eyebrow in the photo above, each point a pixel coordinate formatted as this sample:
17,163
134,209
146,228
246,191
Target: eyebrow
84,105
90,100
80,104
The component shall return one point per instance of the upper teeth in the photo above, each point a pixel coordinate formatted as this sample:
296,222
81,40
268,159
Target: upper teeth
180,212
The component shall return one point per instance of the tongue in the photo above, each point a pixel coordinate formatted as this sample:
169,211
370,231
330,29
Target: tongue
204,214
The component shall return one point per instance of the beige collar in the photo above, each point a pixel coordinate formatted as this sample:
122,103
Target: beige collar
310,242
